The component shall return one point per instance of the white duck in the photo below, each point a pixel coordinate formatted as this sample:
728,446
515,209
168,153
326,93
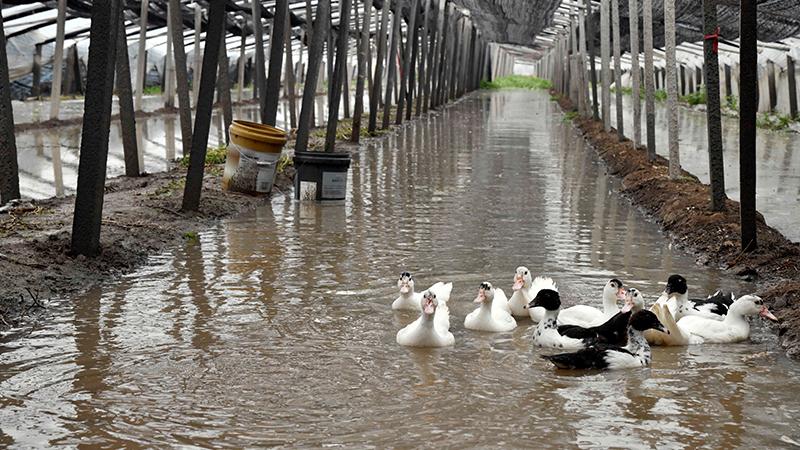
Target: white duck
675,297
589,316
409,300
546,333
492,314
432,328
523,292
734,328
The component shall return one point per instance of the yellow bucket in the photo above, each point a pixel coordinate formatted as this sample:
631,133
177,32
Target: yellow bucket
252,157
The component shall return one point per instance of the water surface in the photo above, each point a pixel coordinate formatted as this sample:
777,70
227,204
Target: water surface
275,328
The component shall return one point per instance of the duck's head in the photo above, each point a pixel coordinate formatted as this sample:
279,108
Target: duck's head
676,285
405,283
485,293
634,301
646,320
547,299
613,290
751,305
429,303
522,278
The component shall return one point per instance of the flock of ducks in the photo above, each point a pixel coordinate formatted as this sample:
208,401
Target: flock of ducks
607,338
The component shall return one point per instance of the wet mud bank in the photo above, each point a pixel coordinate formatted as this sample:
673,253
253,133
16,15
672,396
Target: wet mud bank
141,217
682,209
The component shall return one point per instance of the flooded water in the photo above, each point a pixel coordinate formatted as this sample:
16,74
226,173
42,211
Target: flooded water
48,158
777,160
276,328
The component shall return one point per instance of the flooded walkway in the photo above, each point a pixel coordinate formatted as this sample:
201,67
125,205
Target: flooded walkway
276,328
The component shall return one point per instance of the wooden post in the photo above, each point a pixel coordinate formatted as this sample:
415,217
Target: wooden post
378,78
440,70
672,90
792,87
198,52
773,96
617,68
36,85
423,60
649,79
405,75
633,8
290,81
182,75
338,76
716,166
728,84
748,106
433,55
202,121
9,170
363,44
271,95
412,64
390,66
605,56
312,73
103,42
58,58
260,83
127,116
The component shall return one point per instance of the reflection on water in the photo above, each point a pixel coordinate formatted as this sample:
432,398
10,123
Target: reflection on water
777,161
275,328
48,158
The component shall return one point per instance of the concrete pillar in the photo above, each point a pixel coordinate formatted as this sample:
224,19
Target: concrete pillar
633,8
672,90
649,78
58,58
605,60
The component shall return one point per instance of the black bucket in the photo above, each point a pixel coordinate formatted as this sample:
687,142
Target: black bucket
321,176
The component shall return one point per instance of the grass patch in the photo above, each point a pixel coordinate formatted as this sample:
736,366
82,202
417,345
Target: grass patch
214,155
517,82
151,90
695,98
625,90
191,236
570,116
284,162
169,188
732,102
774,122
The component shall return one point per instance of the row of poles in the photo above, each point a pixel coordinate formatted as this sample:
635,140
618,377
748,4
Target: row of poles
441,57
565,64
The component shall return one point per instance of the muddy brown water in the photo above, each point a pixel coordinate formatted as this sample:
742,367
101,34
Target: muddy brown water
275,328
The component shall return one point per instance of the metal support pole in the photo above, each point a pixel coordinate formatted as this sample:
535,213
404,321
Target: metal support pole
103,42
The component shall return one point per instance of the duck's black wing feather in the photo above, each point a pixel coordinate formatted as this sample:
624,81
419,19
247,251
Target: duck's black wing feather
718,303
615,330
577,332
593,357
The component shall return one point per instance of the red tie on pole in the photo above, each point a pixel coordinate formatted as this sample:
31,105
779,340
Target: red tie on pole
715,37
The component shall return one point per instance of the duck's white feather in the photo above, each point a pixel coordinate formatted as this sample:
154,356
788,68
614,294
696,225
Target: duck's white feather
493,318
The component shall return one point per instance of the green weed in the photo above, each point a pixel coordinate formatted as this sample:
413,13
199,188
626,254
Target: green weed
517,82
214,155
695,98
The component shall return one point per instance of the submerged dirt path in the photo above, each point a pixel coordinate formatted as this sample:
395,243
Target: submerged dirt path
682,209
